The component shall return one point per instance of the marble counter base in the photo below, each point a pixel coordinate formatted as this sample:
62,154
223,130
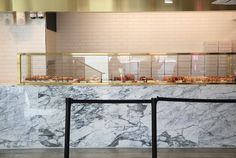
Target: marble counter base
33,117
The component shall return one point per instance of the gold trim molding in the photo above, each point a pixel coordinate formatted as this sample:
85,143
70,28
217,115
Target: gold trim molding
110,5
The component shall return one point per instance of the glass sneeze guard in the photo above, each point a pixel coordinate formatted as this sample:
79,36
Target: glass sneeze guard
77,68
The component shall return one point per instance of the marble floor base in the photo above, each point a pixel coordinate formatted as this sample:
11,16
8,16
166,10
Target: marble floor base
120,153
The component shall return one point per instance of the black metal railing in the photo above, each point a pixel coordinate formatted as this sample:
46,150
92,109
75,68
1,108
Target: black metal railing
153,102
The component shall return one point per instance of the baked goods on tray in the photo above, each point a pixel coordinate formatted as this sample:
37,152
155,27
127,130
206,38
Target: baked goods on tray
199,79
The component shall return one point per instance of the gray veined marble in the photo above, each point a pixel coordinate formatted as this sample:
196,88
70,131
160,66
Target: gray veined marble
33,117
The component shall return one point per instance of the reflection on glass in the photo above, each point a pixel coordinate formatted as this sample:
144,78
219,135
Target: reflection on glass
158,67
234,64
198,65
115,68
184,65
165,66
211,65
223,66
129,68
73,68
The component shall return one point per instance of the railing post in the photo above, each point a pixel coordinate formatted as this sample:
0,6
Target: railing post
153,102
154,127
67,128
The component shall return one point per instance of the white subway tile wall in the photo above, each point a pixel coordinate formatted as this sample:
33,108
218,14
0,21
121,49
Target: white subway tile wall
225,46
14,38
143,32
50,41
211,46
119,32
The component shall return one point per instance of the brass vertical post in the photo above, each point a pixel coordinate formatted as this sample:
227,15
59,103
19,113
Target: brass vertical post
19,69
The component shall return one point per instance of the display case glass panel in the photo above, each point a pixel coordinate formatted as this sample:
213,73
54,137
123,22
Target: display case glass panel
77,68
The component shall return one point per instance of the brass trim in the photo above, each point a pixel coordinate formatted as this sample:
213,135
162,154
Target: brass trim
110,5
115,84
29,64
125,54
19,69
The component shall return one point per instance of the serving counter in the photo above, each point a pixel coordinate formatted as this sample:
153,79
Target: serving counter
33,117
32,114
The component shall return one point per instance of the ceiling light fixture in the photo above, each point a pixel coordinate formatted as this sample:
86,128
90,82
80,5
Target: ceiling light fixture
168,1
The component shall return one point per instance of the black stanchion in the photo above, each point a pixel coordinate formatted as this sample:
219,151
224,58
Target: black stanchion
67,128
153,103
154,127
69,103
196,100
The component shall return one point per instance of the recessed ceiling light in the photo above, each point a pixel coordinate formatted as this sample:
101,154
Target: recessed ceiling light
168,1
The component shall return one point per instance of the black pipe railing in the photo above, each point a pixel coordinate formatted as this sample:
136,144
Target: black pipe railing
153,102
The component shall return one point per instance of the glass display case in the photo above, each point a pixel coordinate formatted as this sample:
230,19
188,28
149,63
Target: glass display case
78,68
